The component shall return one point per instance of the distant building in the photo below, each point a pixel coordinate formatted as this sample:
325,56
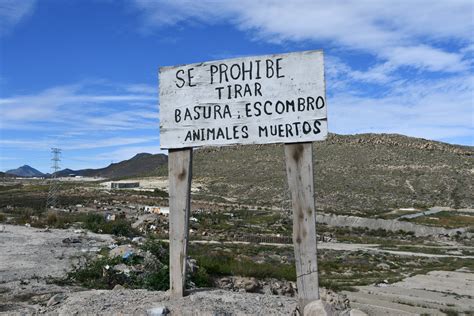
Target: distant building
157,210
124,185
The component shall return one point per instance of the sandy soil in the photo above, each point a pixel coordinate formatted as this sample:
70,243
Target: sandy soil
29,256
138,302
421,294
28,252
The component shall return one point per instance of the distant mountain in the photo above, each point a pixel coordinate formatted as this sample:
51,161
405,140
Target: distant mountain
25,171
66,173
5,175
140,165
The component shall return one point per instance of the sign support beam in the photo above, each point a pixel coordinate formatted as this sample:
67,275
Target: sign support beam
299,169
180,176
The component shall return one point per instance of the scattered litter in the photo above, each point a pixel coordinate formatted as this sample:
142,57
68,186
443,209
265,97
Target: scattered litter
127,255
138,240
158,311
384,283
123,251
112,246
71,240
118,287
122,268
383,266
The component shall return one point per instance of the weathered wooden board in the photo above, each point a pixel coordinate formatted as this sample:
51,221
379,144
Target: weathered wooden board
299,168
250,100
180,175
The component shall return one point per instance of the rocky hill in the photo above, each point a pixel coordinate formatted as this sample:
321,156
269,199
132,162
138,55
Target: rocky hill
353,173
25,171
139,165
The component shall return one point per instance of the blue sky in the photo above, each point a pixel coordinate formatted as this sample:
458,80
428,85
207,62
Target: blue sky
82,74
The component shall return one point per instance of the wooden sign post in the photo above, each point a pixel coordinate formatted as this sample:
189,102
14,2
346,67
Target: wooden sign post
299,169
180,175
251,100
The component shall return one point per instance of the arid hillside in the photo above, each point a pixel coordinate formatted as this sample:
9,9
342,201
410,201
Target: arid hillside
364,173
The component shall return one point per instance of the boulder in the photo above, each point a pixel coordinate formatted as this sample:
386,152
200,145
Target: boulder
383,266
118,287
56,299
318,308
225,283
357,312
250,285
158,311
338,301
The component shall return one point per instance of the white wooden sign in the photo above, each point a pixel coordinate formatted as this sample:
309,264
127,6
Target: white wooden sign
251,100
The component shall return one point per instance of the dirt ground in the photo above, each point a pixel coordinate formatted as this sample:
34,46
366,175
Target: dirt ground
29,257
29,253
432,293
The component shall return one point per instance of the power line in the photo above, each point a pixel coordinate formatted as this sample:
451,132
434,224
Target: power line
54,183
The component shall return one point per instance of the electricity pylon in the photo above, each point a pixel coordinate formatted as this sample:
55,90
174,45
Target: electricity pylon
52,200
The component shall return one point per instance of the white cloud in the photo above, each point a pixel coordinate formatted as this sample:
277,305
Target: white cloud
402,33
341,74
13,12
85,117
73,106
78,143
422,37
436,109
426,57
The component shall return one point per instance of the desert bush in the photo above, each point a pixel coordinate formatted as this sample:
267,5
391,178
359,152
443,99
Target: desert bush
221,264
160,193
98,224
93,274
99,273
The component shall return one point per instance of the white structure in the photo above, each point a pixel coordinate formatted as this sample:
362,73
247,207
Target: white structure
162,210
